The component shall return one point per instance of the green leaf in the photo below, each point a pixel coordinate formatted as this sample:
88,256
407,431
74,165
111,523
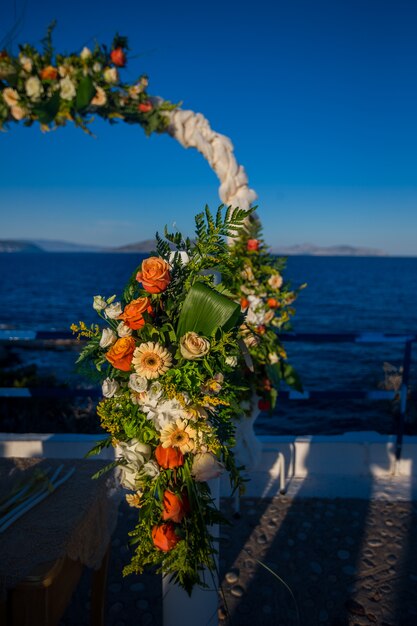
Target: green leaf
205,309
291,377
275,374
47,112
100,445
85,93
105,469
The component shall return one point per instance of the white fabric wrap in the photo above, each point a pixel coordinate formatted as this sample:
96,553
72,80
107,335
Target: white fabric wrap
248,448
192,130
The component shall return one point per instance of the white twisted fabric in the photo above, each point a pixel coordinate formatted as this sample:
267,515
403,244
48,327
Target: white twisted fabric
192,130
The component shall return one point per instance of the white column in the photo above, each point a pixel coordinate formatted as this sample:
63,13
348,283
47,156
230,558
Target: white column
180,609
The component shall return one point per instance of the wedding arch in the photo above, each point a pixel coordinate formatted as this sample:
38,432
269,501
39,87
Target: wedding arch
52,89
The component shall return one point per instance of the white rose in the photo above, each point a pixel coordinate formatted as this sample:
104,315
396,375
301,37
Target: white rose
26,63
273,357
100,97
67,88
111,75
85,53
231,361
108,337
10,96
113,311
137,383
192,346
123,330
128,477
151,469
99,303
97,67
63,70
135,452
275,281
34,88
109,387
205,467
255,318
155,391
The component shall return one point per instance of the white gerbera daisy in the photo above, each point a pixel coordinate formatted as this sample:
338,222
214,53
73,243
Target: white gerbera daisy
179,435
151,360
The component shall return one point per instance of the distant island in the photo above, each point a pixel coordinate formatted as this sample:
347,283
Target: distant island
308,249
148,245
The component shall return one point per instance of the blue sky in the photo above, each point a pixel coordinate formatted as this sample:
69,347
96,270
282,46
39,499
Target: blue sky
319,99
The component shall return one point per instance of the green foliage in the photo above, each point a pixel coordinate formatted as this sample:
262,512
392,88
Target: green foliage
85,93
205,310
51,106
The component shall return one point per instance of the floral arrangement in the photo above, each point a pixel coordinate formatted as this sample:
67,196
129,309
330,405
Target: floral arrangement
166,357
52,89
266,301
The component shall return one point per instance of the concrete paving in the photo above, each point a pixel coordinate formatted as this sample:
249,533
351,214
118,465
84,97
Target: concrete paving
287,561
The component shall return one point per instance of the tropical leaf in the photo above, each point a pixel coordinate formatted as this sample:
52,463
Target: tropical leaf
85,93
46,112
205,309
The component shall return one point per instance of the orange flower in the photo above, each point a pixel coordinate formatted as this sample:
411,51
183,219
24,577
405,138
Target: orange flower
118,57
267,385
49,73
145,107
164,537
120,354
154,275
244,303
132,314
252,245
175,507
272,303
168,458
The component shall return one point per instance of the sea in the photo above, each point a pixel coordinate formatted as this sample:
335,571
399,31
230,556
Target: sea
50,291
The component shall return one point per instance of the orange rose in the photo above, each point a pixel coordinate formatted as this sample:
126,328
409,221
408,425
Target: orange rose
168,458
175,507
267,385
244,303
132,314
145,107
252,245
49,73
164,537
118,57
120,354
272,303
154,276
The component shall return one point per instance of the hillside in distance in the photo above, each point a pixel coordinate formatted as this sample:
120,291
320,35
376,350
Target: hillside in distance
149,245
309,249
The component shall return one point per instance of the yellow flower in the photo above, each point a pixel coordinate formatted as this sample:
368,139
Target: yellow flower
195,412
151,360
178,435
134,499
